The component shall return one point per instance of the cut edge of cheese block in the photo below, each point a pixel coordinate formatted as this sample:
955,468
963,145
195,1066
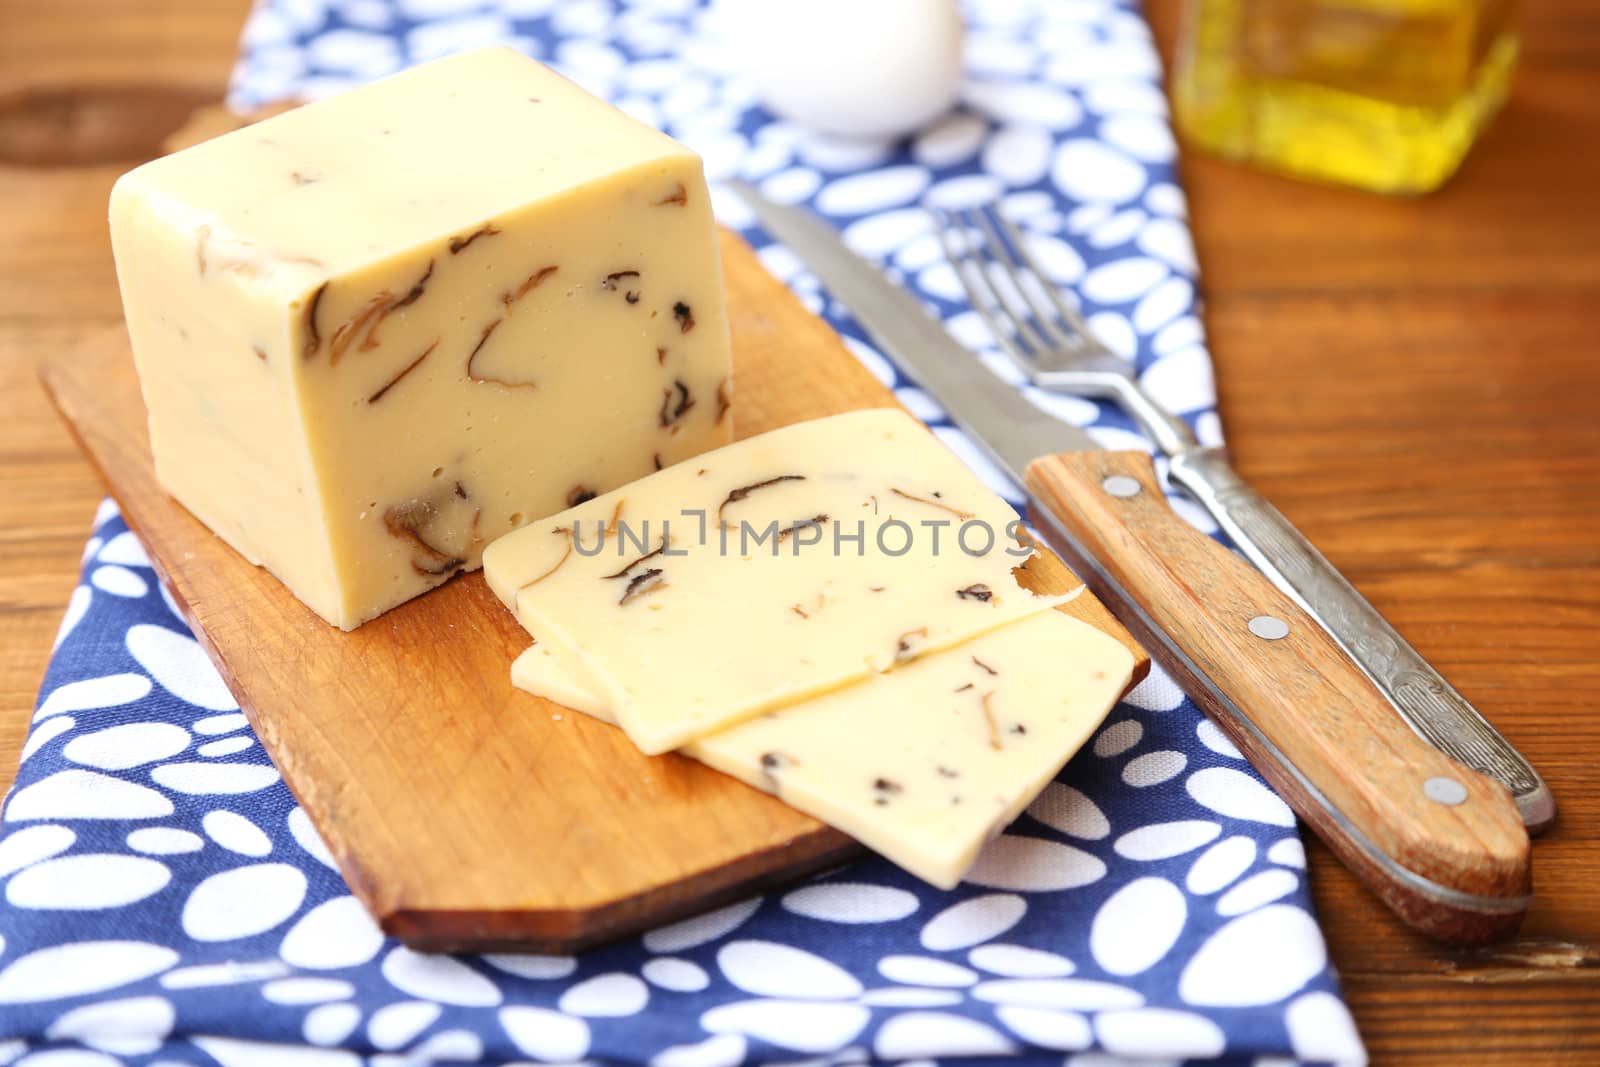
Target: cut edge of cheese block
850,732
753,628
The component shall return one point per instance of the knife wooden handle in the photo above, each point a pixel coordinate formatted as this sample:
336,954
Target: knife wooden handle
1428,703
1443,846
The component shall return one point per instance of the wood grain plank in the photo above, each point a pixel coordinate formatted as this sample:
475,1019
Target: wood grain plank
1413,384
396,736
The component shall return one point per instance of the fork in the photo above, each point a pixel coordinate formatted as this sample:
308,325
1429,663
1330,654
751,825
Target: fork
1047,338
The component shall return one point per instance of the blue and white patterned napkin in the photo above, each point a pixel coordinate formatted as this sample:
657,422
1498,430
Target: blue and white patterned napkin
166,902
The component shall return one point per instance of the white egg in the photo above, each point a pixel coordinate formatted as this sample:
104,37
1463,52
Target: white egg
855,68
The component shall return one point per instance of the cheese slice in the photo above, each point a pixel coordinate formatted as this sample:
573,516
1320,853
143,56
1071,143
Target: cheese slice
769,570
376,332
923,764
536,671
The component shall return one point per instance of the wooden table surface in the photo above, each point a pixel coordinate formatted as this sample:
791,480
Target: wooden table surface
1415,382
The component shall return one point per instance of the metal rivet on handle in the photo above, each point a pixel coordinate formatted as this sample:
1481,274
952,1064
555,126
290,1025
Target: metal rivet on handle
1269,627
1121,486
1444,791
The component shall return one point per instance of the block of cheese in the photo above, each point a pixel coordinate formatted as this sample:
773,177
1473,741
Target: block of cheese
376,332
925,763
778,567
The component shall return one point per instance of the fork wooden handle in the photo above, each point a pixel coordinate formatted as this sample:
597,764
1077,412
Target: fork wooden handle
1443,846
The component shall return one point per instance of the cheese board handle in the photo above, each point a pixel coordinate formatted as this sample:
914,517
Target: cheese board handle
1443,846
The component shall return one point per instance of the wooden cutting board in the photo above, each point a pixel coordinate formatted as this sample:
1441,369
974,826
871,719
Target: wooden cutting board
463,813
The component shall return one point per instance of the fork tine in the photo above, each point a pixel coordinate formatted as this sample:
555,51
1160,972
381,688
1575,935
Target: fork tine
975,281
1038,309
1067,312
1011,297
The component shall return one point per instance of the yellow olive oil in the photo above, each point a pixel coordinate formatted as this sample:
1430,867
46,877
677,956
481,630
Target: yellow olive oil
1387,95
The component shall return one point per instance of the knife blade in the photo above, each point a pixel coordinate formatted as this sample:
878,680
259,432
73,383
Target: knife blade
1442,846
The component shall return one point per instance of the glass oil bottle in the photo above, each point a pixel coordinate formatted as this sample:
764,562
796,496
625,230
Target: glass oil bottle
1387,95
